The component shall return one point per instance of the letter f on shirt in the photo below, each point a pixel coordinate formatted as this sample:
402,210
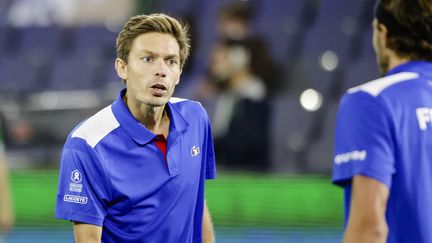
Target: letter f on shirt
424,116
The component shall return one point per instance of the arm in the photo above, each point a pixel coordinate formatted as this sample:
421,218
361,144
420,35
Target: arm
367,221
87,233
6,212
208,232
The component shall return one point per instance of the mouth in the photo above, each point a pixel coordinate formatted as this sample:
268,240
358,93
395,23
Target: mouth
158,89
159,86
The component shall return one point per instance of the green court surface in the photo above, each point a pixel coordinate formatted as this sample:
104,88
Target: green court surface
235,200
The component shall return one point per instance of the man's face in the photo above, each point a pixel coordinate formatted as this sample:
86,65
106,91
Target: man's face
153,69
378,41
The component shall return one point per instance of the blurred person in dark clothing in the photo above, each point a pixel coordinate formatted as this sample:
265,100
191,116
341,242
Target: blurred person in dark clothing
241,112
239,78
235,23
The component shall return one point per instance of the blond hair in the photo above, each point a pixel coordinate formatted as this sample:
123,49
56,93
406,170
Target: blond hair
159,23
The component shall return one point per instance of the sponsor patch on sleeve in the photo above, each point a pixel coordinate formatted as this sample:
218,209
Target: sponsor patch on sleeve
75,199
350,156
75,187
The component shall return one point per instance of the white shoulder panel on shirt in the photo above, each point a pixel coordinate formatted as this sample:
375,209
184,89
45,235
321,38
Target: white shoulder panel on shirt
97,127
376,86
176,100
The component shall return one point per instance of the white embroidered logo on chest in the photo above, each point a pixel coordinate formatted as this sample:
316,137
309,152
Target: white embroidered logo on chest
195,150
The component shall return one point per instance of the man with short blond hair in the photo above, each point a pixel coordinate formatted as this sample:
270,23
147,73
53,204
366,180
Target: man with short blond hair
136,170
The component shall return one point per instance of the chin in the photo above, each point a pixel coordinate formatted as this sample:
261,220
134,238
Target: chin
158,101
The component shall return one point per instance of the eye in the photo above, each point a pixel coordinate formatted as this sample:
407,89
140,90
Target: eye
171,62
147,59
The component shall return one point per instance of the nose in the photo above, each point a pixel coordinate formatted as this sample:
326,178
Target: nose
160,74
160,69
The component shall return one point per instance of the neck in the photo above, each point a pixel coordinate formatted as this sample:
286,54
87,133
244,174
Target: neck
155,119
236,82
395,60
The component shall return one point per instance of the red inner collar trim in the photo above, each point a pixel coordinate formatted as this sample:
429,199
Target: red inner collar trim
161,143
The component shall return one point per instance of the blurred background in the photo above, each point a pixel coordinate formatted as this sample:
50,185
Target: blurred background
270,74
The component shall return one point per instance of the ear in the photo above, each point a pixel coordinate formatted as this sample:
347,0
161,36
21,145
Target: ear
121,68
178,80
382,32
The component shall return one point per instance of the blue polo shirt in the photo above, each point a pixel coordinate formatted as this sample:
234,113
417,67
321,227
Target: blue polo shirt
113,175
384,131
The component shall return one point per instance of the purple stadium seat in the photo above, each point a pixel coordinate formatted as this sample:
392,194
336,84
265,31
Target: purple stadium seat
320,153
289,125
335,11
40,40
109,73
4,8
278,21
205,28
175,7
18,74
334,25
83,68
366,67
362,71
77,72
307,74
2,39
96,40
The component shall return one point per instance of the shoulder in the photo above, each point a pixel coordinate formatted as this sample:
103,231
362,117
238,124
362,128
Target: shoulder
97,127
378,86
181,102
371,94
188,107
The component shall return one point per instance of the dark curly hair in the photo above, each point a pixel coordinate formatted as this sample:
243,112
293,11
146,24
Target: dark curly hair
416,16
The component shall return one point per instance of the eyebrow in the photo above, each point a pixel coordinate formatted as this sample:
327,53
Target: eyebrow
157,54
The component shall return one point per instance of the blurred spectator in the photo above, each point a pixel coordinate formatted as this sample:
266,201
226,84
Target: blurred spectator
22,132
6,213
240,76
240,111
235,23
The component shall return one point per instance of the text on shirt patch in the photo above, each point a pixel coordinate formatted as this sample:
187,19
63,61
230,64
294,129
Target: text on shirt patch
195,150
75,199
424,117
350,156
75,187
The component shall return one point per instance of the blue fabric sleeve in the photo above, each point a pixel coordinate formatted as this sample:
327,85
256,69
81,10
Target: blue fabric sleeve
210,160
363,140
82,189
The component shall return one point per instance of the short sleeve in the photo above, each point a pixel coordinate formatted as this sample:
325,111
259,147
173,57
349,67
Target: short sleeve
82,187
363,140
210,160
